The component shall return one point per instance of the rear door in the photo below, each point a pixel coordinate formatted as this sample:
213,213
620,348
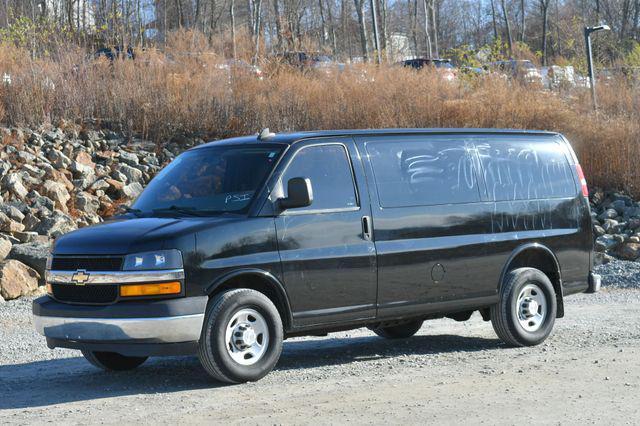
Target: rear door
328,261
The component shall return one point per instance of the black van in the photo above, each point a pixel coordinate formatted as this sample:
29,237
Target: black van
239,244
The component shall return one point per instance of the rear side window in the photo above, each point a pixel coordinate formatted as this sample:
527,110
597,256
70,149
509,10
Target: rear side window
527,169
328,168
431,171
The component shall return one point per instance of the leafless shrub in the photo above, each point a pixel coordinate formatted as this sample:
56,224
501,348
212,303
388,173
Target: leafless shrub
184,91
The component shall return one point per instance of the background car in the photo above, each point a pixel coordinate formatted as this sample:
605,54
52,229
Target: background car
443,66
311,61
241,67
118,52
520,69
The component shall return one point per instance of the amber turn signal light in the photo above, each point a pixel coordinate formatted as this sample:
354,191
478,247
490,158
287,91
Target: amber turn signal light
173,287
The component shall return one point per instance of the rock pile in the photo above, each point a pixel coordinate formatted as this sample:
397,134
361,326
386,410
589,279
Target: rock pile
616,226
53,181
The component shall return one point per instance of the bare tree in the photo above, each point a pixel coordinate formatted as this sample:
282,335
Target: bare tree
428,51
434,25
544,9
523,19
232,16
493,18
505,15
364,43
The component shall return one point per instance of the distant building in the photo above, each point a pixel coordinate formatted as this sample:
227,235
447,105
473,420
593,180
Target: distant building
399,47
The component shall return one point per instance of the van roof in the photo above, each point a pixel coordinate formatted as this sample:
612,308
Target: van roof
291,137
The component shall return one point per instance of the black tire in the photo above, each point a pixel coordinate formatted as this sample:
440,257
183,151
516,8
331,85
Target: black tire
111,361
212,348
505,315
402,331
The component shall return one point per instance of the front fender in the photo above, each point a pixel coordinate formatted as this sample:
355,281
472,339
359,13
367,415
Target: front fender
265,277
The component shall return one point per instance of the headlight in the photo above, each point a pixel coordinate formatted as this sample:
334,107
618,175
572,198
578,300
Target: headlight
161,259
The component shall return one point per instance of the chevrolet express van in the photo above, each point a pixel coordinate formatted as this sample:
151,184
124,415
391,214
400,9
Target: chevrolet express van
239,244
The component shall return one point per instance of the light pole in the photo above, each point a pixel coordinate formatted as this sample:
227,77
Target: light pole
587,41
376,34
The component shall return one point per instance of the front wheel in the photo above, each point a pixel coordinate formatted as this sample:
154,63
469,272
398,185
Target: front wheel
526,312
112,361
242,336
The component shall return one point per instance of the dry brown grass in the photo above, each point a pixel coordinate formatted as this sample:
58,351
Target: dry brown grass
159,96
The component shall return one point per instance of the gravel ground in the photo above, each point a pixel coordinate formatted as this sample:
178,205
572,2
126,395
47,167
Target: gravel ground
588,371
620,274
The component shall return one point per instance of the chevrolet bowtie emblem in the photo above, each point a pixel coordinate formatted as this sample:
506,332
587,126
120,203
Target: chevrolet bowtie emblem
80,277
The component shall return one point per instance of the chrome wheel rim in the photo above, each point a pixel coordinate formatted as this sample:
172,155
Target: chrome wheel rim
247,336
532,307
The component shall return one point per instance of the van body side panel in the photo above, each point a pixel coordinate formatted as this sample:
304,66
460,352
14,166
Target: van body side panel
432,255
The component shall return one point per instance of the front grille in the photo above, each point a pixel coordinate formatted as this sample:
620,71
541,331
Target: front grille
97,293
104,263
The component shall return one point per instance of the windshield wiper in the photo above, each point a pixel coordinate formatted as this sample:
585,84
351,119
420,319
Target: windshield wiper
188,210
128,209
179,209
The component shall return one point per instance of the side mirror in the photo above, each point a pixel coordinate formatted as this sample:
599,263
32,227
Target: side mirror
300,194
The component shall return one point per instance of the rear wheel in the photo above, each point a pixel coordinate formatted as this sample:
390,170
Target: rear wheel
402,331
242,336
527,309
112,361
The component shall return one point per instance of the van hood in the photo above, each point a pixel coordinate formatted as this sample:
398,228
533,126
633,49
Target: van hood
130,235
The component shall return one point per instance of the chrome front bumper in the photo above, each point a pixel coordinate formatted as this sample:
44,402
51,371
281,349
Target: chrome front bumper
174,329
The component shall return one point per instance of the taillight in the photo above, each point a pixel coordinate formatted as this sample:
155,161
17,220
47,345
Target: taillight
583,181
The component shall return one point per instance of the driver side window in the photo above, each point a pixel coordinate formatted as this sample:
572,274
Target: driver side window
329,169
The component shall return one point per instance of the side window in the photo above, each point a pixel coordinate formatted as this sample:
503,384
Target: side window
527,169
435,170
328,168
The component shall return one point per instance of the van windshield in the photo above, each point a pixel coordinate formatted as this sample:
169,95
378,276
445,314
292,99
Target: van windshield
210,180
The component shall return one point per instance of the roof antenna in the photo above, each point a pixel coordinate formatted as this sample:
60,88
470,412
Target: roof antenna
265,134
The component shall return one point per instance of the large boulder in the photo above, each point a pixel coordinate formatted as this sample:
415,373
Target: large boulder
58,159
13,182
83,157
5,248
132,190
129,158
58,193
82,171
9,225
87,203
56,224
605,242
17,279
131,173
629,251
12,211
32,254
611,226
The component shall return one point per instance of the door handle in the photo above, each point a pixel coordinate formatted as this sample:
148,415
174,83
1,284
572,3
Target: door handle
366,228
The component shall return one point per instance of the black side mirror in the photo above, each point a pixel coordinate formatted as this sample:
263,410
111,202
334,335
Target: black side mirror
300,194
